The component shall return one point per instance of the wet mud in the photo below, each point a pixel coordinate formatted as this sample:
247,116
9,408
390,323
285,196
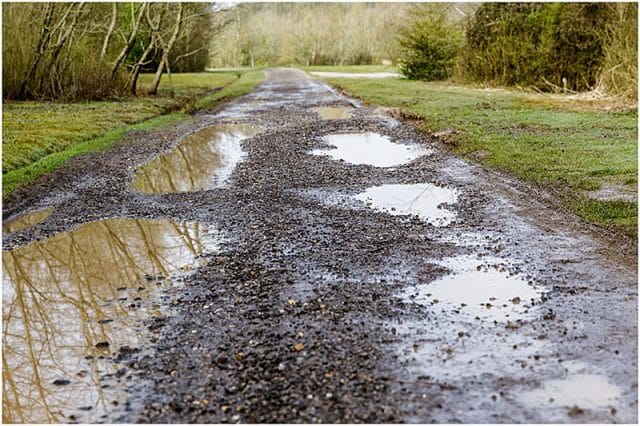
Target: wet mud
319,307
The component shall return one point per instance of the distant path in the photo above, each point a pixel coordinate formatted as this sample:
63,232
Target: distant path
320,309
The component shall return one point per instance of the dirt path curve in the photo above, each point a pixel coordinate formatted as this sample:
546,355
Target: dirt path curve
319,308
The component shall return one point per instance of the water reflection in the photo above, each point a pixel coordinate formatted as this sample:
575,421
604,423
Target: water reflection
26,220
425,200
371,149
480,289
333,113
64,297
203,160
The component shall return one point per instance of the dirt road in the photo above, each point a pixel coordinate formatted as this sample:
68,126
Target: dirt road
318,300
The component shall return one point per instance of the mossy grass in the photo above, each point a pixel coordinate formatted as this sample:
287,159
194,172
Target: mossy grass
39,137
570,145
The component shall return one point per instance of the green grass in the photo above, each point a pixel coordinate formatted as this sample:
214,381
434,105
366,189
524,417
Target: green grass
39,137
242,86
352,68
568,145
28,174
188,84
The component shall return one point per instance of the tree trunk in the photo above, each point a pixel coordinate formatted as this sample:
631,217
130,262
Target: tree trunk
131,41
112,27
45,37
156,79
166,50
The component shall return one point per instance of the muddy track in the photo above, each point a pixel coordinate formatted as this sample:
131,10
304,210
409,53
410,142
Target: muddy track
317,308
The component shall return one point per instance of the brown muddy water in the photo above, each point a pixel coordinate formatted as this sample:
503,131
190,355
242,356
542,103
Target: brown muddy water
73,303
333,113
369,148
26,220
424,200
203,160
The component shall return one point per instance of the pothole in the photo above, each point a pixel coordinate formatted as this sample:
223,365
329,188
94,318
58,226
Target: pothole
26,220
74,305
203,160
371,149
484,290
580,389
424,200
333,113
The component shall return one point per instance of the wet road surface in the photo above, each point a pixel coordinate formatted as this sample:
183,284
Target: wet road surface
251,266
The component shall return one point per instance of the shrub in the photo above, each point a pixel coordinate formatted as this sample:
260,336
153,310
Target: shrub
546,45
429,43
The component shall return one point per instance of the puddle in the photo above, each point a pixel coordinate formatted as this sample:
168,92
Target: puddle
74,302
479,288
371,149
26,220
587,391
203,160
333,113
423,199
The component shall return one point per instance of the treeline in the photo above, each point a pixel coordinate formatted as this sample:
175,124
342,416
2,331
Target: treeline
94,50
309,34
549,46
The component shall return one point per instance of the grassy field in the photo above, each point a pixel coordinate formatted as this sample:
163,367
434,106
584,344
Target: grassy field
38,137
567,144
353,68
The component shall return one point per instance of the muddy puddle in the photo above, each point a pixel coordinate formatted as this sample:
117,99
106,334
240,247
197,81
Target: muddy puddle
584,390
333,113
26,220
424,200
580,388
480,289
370,149
203,160
74,304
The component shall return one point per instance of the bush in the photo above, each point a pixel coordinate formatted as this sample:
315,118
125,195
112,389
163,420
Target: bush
429,43
619,75
546,45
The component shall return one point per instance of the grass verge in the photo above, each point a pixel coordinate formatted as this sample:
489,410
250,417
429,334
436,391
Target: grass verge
352,68
40,137
570,145
242,86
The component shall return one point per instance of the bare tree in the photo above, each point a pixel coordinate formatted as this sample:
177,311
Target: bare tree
131,39
166,51
110,30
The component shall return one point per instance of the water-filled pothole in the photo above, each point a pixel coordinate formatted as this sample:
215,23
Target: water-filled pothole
424,200
74,303
371,149
333,113
480,289
26,220
580,388
203,160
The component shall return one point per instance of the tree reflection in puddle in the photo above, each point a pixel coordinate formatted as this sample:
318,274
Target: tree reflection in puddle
64,297
203,160
26,220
